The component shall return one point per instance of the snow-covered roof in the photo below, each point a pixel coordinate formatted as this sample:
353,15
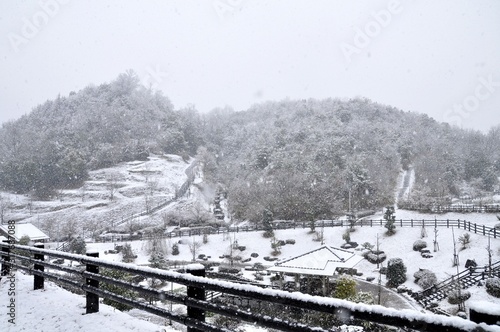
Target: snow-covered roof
322,261
24,229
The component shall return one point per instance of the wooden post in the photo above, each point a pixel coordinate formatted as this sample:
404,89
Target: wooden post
38,282
196,293
6,259
92,299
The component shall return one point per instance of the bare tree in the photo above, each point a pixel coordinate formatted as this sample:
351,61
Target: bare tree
69,229
194,246
199,214
112,185
49,226
436,244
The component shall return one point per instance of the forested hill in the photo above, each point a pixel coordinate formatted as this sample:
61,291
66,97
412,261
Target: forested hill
56,144
297,159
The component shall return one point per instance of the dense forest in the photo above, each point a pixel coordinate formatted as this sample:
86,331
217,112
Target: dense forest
296,159
303,159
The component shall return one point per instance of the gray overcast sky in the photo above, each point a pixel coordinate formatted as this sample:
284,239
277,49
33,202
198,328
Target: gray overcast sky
438,57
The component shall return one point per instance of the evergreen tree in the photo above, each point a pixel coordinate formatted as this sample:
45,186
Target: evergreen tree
396,272
267,223
345,287
390,223
78,246
127,293
127,253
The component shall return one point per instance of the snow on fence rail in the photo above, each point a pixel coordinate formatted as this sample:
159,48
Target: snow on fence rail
460,224
462,208
196,301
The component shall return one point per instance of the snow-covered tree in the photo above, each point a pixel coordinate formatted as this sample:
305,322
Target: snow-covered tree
396,272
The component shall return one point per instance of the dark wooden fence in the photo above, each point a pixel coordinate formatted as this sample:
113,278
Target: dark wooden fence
432,223
37,262
460,208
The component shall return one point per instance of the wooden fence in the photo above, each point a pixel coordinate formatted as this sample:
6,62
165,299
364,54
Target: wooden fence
460,208
37,262
432,223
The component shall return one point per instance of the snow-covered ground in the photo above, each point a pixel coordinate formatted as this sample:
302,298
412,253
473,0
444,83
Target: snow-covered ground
55,309
161,176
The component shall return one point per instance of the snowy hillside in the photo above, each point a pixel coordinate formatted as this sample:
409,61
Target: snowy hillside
108,198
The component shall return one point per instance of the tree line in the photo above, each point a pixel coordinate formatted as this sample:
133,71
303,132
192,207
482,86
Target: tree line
294,159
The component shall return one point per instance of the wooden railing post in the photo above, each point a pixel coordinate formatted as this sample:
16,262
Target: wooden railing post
6,259
196,293
92,299
38,281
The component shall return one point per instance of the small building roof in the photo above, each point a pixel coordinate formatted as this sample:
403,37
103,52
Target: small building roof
24,229
322,262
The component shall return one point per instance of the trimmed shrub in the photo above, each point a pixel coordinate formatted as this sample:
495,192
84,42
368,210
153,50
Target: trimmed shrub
425,278
456,297
290,241
346,236
345,287
254,255
419,245
362,297
175,249
375,257
493,286
242,248
396,272
228,269
367,245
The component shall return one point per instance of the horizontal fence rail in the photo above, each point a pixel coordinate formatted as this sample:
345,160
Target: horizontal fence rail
462,208
449,223
36,262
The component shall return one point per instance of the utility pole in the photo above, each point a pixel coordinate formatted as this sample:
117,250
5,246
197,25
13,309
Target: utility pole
378,252
379,286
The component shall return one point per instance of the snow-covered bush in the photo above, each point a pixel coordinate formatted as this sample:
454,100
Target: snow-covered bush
228,269
419,245
458,296
493,286
367,246
375,257
346,236
425,278
127,253
290,241
396,272
175,249
362,297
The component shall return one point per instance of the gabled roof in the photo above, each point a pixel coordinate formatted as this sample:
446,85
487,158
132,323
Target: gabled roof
322,261
24,229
